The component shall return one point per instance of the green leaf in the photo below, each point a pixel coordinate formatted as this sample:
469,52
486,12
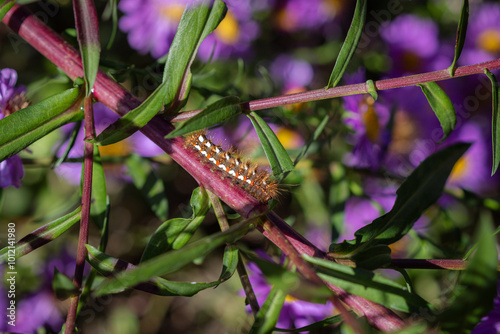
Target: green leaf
199,20
63,286
314,138
87,27
367,284
229,262
215,113
25,126
110,266
175,233
135,119
268,315
151,187
474,294
419,191
276,154
372,89
42,235
350,43
99,206
461,32
317,325
6,5
441,105
495,121
173,260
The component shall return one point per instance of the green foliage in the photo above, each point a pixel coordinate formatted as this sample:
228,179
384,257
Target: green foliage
175,233
276,154
461,33
495,121
63,286
420,190
42,235
24,127
148,183
350,43
442,106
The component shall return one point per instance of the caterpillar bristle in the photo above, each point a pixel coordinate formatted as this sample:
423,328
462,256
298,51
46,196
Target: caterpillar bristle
248,176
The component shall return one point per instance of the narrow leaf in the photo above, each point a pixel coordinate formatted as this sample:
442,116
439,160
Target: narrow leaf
42,235
229,262
87,27
99,206
276,154
350,43
6,5
495,121
110,266
199,19
215,113
175,233
420,190
151,187
25,126
461,32
172,260
473,297
268,315
317,325
442,107
366,284
135,119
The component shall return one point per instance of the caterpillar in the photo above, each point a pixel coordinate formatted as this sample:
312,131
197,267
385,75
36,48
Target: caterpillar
250,177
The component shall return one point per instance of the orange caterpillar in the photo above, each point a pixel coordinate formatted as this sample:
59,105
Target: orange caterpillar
248,176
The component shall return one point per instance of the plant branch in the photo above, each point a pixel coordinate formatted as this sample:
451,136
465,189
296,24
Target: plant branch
84,222
361,88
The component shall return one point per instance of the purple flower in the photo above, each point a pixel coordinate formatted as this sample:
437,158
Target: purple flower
368,120
151,26
291,73
295,313
412,42
490,324
473,170
483,34
296,15
11,99
103,117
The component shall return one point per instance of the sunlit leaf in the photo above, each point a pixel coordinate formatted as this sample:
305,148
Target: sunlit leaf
276,154
215,113
25,126
63,286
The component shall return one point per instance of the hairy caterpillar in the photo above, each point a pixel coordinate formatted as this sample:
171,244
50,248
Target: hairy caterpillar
255,180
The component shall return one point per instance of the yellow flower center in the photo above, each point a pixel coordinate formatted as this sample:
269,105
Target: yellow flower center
290,299
228,30
489,40
286,21
370,120
121,148
459,169
172,12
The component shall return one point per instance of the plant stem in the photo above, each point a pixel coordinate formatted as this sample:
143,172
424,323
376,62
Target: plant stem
84,222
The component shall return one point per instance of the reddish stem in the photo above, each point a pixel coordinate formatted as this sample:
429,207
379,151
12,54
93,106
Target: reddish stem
84,222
